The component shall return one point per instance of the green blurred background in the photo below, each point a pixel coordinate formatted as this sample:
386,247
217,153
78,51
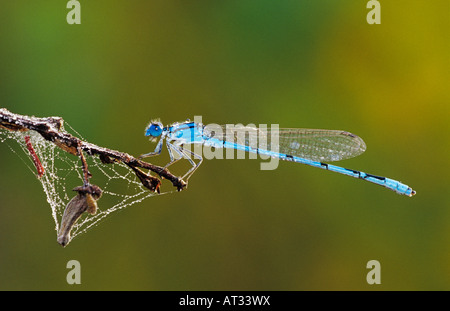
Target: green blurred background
313,64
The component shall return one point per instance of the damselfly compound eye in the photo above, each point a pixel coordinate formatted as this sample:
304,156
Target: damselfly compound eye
154,130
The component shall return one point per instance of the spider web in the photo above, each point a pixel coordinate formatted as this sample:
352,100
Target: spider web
63,172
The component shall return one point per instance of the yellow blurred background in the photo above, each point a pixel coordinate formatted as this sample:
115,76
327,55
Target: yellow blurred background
312,64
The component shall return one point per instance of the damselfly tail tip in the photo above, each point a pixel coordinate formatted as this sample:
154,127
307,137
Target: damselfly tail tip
412,193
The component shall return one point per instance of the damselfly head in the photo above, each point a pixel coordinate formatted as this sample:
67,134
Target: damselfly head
154,129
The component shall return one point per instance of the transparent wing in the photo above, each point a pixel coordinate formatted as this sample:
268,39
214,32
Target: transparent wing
312,144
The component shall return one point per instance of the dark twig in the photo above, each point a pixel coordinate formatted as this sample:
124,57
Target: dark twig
51,129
